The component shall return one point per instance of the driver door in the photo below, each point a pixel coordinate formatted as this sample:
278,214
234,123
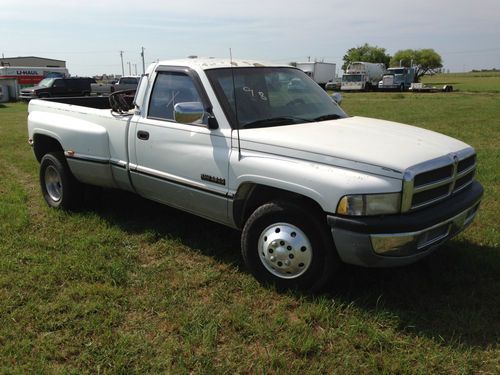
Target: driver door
182,165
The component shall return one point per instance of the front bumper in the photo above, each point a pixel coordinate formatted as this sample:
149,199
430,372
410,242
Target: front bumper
27,96
396,240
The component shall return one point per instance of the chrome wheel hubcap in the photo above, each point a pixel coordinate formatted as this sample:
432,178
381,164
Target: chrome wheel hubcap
53,183
285,250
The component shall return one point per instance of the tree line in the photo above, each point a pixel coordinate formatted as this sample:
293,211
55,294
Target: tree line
425,61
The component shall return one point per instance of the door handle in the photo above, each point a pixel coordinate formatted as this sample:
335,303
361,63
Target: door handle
141,134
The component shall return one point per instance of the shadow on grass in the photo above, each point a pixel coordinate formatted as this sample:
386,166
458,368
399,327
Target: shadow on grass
140,215
452,296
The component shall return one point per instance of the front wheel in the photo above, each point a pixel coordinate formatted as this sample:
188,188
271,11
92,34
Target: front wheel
59,188
288,246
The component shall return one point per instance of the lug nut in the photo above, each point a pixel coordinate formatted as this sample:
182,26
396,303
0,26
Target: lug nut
273,259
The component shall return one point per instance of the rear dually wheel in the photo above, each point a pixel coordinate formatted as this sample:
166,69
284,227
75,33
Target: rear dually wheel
59,187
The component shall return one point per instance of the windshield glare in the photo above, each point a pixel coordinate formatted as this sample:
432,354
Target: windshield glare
266,93
47,82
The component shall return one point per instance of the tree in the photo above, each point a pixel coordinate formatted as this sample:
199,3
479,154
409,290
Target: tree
425,61
366,53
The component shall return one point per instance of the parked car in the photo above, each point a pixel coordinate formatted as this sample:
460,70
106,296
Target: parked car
334,84
58,87
124,83
308,186
102,88
127,83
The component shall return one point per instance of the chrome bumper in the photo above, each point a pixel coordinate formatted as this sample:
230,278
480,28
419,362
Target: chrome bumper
397,240
401,244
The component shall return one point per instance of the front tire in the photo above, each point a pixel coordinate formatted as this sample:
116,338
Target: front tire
59,187
289,247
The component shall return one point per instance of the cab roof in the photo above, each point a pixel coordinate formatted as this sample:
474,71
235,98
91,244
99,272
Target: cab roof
212,63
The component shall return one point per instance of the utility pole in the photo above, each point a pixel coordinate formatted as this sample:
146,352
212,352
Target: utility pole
143,64
129,68
121,57
135,68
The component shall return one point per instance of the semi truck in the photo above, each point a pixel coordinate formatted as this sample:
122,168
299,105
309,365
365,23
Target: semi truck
397,78
320,72
308,186
360,76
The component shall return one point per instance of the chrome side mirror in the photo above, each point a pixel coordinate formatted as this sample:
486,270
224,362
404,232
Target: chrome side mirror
188,112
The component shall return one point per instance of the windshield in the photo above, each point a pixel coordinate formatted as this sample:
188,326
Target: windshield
47,82
397,71
352,78
268,96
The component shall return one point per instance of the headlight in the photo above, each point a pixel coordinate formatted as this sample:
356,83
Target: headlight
365,205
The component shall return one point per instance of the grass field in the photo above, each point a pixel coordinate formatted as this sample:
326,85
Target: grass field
472,82
128,286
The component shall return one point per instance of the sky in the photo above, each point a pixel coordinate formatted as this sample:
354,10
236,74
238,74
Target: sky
90,34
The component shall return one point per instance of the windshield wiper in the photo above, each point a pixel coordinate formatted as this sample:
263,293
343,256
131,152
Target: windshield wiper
332,116
275,121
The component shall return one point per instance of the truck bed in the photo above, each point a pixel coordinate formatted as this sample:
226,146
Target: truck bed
96,102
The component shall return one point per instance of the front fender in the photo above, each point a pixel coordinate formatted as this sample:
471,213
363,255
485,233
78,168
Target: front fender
325,184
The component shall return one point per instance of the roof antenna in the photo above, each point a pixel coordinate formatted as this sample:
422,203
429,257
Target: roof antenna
235,104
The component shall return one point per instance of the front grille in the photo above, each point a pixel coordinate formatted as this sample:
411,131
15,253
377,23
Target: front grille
466,163
435,180
430,195
464,181
434,175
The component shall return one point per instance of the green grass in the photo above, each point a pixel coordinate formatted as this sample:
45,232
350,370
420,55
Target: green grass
128,286
471,82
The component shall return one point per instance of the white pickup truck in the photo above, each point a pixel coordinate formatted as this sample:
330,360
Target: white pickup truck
235,143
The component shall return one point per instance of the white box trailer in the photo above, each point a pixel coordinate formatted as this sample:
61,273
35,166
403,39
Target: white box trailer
320,72
19,77
362,75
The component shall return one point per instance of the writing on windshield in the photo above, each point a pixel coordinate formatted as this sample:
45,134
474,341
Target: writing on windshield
268,96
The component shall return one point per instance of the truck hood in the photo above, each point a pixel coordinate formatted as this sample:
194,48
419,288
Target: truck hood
353,141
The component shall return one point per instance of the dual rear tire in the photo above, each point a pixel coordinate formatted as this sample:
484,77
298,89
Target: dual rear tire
59,187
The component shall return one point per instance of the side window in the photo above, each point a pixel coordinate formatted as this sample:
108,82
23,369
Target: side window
169,89
59,83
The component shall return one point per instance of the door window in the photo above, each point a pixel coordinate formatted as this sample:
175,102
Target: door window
59,83
169,89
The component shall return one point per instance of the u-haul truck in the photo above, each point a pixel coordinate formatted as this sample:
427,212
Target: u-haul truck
28,76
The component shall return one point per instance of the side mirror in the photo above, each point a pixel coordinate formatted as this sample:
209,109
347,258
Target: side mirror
188,112
337,98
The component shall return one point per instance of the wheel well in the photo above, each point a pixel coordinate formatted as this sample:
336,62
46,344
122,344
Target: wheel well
251,196
43,144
